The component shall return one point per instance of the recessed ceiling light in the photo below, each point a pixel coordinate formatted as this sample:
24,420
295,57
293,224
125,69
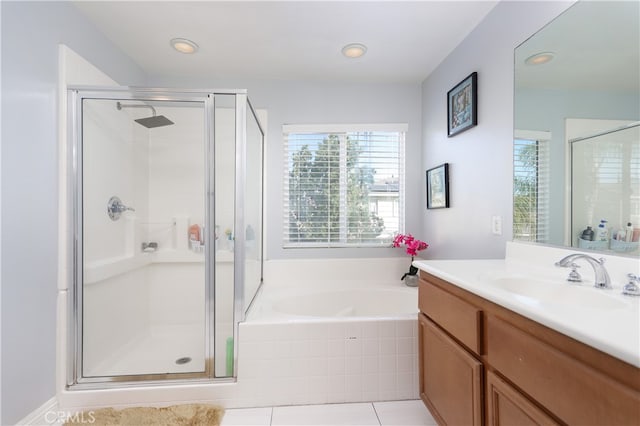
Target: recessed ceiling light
184,45
539,58
354,50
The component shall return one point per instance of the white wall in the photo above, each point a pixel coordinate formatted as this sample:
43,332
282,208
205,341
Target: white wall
294,102
31,32
481,163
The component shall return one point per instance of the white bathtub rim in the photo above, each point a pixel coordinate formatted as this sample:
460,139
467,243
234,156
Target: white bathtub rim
262,310
289,319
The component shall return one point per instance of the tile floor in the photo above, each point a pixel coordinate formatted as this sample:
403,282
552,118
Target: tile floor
391,413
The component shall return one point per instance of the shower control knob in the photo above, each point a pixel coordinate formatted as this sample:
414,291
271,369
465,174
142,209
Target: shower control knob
115,208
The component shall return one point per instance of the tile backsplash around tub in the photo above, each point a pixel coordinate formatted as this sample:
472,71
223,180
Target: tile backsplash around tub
328,361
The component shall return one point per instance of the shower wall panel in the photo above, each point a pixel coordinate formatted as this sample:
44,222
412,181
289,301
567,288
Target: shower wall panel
176,295
177,167
114,163
116,314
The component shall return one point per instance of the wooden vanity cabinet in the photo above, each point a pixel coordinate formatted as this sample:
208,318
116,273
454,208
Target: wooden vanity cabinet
481,363
450,368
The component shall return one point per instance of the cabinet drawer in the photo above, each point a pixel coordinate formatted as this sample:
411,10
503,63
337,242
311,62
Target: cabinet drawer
459,318
572,391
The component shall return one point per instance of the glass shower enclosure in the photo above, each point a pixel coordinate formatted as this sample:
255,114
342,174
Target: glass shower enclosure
605,182
167,241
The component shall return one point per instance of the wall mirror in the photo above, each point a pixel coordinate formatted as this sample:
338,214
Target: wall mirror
576,136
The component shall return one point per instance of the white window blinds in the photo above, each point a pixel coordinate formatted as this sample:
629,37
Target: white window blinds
531,190
343,184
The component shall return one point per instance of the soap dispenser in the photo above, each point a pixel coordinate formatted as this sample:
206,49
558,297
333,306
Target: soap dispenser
603,232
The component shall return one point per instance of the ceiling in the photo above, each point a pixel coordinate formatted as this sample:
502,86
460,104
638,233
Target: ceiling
596,47
288,40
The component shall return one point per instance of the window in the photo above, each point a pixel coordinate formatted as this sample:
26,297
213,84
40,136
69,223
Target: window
531,187
344,185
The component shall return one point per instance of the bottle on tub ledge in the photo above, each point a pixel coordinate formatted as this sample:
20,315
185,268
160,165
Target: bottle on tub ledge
625,240
229,240
588,234
628,235
196,238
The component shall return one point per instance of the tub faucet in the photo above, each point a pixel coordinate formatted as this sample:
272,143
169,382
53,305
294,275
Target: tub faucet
601,276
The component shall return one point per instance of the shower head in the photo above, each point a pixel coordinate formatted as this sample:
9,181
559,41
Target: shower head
148,122
154,121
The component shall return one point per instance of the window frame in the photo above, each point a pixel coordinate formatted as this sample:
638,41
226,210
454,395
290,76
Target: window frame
342,130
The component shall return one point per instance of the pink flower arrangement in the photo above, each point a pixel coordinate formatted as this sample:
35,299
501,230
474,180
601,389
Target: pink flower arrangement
413,245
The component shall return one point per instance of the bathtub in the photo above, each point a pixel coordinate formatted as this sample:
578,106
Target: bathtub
331,341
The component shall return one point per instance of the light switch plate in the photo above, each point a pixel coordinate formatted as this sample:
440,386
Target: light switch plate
496,225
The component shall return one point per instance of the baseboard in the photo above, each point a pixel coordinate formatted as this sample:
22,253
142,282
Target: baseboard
46,414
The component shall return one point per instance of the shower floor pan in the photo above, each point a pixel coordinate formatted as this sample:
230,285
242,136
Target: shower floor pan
163,349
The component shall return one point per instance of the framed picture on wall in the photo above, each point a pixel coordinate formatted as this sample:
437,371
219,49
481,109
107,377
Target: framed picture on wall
438,187
462,105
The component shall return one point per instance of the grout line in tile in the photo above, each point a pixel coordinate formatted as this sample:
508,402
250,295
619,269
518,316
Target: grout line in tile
271,417
376,413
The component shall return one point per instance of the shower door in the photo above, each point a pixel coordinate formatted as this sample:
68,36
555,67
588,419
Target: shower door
144,266
165,254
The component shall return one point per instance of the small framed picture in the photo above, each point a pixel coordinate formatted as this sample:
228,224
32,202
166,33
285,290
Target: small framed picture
462,105
438,187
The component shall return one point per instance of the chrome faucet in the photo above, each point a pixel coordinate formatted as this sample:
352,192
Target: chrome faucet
632,288
601,276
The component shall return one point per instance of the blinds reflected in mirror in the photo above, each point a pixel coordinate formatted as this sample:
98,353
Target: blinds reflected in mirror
531,186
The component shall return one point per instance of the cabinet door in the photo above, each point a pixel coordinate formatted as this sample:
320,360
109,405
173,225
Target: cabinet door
569,389
507,406
450,377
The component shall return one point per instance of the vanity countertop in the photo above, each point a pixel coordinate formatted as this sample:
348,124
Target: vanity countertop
603,319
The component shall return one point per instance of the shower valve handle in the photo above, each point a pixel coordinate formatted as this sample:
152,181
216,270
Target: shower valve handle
115,208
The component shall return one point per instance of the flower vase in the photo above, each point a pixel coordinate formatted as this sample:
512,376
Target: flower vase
411,280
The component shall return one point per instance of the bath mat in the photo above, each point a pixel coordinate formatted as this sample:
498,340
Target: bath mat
175,415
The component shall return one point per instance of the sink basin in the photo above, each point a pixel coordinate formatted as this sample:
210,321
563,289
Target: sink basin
544,292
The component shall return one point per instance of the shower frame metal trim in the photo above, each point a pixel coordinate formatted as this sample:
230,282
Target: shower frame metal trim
238,252
262,192
74,332
210,220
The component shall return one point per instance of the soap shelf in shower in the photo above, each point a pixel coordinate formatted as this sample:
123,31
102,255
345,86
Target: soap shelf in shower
187,256
177,256
103,269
